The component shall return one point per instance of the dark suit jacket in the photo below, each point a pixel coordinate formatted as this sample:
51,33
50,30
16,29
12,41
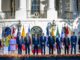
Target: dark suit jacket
66,41
35,42
42,41
73,40
79,41
51,41
27,41
19,42
58,41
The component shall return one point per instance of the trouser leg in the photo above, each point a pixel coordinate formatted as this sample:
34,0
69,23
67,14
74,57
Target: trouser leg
79,48
59,50
65,50
75,49
71,49
28,49
49,50
37,49
19,51
41,49
52,50
34,50
44,50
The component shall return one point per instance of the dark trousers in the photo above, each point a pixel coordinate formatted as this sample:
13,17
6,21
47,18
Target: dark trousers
43,49
58,50
73,47
66,49
50,49
27,49
35,50
79,48
19,50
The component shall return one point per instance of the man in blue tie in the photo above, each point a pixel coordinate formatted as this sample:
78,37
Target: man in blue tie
42,43
35,43
73,43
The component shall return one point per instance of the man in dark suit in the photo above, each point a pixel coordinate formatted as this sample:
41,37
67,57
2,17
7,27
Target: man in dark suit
35,43
66,42
58,42
19,43
51,42
73,43
42,43
27,43
79,43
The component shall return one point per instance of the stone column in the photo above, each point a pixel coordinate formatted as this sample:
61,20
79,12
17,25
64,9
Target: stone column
73,8
28,7
0,5
2,15
21,13
52,13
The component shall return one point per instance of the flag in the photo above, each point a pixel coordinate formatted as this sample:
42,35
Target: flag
52,31
57,33
23,32
67,31
7,40
47,31
70,31
29,30
14,32
62,32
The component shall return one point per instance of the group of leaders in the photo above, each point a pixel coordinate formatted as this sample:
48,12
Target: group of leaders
40,42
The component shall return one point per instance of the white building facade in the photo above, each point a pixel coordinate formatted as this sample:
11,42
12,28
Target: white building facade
30,13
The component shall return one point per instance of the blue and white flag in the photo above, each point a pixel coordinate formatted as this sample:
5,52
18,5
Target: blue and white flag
29,30
62,33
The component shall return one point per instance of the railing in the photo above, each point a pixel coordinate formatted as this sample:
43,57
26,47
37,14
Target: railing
11,15
36,14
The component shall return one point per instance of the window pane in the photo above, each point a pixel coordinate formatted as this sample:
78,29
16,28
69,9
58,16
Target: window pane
35,6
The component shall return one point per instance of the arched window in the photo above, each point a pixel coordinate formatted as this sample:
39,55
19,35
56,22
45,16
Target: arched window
35,7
